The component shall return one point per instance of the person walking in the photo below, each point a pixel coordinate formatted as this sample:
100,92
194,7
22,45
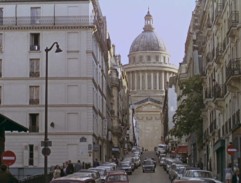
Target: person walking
235,177
57,172
70,168
200,164
228,173
6,176
96,163
77,166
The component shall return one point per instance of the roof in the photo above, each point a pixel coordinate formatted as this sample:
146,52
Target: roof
9,125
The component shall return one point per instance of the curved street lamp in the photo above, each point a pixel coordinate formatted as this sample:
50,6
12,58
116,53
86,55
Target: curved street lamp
46,150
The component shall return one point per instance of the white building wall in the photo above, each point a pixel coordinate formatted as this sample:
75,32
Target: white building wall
72,95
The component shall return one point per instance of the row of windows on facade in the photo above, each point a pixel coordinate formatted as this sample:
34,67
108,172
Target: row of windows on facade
140,59
34,41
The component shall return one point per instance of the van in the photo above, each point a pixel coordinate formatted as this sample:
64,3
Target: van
161,148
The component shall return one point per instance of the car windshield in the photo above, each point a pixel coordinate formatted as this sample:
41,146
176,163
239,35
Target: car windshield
202,174
117,178
148,163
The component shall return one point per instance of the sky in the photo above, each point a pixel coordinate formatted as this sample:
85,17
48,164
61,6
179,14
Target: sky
171,19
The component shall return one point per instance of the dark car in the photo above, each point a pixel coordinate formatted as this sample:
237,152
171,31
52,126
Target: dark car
126,166
148,166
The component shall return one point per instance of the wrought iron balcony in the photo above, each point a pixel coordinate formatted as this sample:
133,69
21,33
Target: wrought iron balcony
219,52
236,120
219,91
218,12
213,126
233,21
233,71
47,21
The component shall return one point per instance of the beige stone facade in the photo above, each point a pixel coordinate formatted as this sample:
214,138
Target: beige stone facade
148,71
213,45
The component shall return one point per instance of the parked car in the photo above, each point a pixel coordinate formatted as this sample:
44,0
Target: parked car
73,179
126,166
102,171
199,174
89,173
112,164
117,177
148,165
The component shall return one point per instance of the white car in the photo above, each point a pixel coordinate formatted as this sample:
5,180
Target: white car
199,174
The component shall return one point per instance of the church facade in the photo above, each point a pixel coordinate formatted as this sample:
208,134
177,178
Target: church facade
148,72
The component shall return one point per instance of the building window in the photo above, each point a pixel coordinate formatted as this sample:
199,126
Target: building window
33,122
31,155
34,68
1,16
1,42
148,58
0,67
138,81
34,95
0,94
34,42
140,58
35,15
157,58
134,59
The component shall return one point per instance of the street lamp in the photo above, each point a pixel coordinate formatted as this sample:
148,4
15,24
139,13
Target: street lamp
46,150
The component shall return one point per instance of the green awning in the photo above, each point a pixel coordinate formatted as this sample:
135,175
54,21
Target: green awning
9,125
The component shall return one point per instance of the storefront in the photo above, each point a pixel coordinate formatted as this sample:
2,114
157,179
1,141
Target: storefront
6,124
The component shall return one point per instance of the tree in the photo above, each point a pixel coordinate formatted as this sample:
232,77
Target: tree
187,118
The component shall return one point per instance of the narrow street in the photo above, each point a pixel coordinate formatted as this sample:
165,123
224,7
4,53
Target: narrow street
159,176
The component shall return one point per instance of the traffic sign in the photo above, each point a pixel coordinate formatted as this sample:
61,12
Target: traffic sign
231,150
46,151
8,158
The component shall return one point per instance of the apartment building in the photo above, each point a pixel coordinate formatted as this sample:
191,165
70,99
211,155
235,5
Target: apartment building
214,47
77,80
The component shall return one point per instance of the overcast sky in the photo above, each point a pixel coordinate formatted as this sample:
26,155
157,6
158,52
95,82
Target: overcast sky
171,19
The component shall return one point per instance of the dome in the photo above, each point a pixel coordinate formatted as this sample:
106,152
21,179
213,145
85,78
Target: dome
147,40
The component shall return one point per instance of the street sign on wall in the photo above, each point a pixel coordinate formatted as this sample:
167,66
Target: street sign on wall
8,158
231,150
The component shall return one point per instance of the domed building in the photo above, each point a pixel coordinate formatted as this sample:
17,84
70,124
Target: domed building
148,72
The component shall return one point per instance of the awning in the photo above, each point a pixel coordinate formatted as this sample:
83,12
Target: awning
182,149
9,125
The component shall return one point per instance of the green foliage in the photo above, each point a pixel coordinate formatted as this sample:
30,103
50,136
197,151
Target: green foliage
187,118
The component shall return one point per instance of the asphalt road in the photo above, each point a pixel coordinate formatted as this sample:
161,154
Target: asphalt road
160,176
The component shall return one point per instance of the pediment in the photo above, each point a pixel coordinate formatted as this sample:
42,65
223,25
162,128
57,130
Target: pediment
148,107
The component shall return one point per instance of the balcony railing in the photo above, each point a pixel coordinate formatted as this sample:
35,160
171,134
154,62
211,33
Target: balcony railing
33,101
219,9
208,93
47,20
233,68
219,90
233,21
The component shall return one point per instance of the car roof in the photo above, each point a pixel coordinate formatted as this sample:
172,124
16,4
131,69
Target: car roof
117,172
87,179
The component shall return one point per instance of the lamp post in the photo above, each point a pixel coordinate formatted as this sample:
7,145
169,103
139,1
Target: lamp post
46,150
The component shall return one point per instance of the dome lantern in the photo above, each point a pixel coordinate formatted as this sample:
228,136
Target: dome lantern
148,22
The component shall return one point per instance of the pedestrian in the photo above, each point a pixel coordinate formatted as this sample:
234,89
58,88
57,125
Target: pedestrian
200,164
96,163
6,176
70,168
235,177
77,166
57,172
228,173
